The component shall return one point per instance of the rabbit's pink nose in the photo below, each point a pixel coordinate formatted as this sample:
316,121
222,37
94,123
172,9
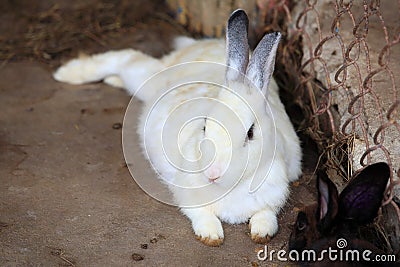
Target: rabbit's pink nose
213,173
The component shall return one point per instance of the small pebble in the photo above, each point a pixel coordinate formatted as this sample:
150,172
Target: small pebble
137,257
157,238
144,246
117,126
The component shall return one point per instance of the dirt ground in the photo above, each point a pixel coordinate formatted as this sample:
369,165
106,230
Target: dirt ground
66,196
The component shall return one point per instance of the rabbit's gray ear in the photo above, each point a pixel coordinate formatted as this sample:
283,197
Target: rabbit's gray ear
262,62
362,197
237,45
328,205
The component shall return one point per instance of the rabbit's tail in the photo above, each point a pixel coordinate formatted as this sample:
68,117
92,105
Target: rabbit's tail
125,68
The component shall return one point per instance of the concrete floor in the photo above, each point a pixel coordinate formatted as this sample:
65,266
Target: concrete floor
67,197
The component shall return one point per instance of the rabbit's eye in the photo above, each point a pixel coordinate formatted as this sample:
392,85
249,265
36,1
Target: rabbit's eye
301,222
301,226
250,132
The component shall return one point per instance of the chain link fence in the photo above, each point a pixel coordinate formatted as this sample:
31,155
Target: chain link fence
349,72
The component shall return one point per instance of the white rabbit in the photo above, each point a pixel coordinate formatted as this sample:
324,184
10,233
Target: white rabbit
236,154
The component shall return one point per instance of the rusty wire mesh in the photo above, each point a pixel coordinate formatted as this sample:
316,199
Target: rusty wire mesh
352,49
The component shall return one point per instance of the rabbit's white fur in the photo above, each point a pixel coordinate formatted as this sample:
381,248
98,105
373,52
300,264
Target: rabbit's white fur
274,137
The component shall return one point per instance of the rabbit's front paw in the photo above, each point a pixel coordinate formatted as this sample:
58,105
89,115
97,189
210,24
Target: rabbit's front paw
209,231
263,225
